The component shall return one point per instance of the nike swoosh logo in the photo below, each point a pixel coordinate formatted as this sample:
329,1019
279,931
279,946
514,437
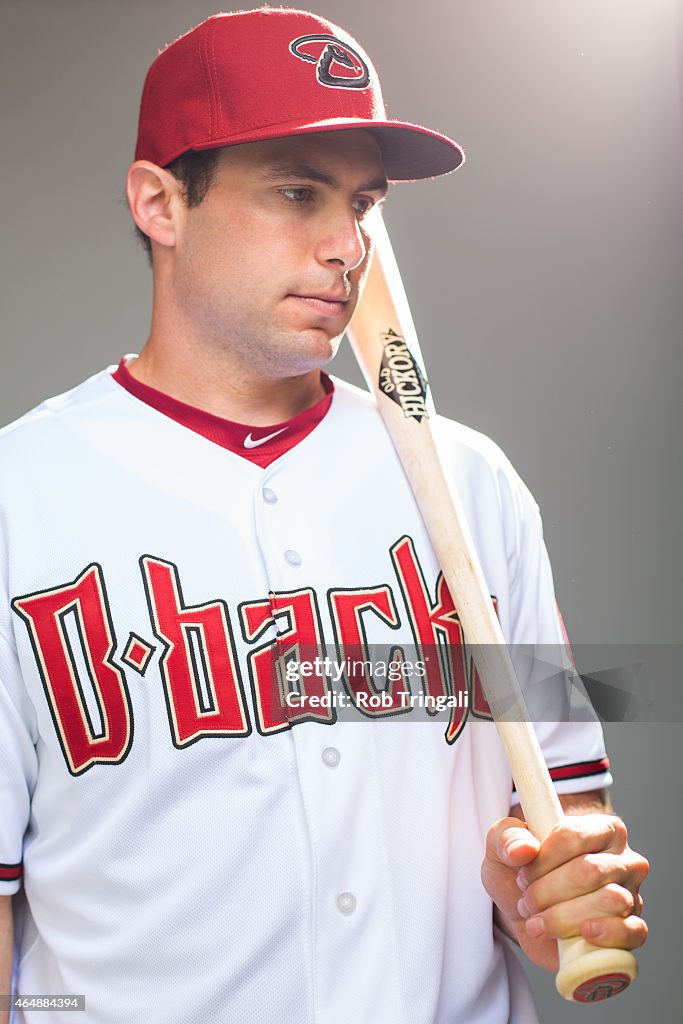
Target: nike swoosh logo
249,441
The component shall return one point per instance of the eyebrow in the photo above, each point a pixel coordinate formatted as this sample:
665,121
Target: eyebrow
305,172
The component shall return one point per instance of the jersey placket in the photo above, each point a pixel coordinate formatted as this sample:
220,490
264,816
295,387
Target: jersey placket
354,967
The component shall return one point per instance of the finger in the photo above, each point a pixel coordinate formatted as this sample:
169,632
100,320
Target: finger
509,844
615,933
585,874
566,919
574,837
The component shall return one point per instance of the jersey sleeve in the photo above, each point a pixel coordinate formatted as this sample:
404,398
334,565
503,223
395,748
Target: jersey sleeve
18,767
568,729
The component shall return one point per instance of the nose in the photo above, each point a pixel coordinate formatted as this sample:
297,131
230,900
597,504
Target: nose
342,241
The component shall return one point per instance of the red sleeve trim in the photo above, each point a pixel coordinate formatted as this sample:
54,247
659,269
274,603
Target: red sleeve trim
10,872
579,770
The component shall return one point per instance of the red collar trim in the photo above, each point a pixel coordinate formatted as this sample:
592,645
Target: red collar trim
261,445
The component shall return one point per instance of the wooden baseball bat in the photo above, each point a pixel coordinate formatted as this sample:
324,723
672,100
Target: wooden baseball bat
384,341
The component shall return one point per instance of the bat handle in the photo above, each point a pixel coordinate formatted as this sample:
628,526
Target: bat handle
589,974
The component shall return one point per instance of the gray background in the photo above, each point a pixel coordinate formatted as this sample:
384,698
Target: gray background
544,277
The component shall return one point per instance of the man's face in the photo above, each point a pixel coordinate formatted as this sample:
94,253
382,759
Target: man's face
269,264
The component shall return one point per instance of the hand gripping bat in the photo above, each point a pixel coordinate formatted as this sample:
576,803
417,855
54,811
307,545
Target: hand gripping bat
384,341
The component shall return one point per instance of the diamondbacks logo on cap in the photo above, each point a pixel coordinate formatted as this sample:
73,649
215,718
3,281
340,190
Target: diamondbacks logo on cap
400,377
338,64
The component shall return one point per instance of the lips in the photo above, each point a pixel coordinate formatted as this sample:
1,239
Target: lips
328,304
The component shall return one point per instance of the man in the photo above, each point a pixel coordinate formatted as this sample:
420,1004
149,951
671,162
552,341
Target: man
196,838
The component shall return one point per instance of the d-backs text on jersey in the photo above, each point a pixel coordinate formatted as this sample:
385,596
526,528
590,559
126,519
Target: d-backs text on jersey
74,642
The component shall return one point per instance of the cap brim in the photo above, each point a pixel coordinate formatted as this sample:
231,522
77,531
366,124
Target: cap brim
409,151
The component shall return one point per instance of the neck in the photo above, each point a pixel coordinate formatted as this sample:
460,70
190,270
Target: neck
183,358
223,392
220,387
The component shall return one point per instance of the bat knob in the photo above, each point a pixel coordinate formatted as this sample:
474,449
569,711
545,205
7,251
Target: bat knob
589,974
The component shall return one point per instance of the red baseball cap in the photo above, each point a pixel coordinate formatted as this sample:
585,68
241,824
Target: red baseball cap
271,73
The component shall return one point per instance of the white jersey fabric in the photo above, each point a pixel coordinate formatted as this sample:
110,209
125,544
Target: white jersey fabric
188,856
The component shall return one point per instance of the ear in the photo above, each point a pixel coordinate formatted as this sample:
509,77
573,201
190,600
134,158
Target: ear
155,201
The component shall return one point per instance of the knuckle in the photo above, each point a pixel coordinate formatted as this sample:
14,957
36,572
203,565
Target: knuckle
500,842
538,897
589,873
556,922
534,905
635,869
619,832
497,830
617,900
641,868
560,920
571,834
636,932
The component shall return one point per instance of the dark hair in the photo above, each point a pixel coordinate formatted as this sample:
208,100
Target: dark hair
195,171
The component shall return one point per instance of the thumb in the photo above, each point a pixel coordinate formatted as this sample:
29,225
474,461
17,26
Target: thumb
511,844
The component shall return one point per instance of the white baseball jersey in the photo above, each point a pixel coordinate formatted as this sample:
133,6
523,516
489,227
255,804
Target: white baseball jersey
194,845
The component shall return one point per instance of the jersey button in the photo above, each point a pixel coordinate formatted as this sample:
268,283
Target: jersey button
346,903
331,757
269,496
293,557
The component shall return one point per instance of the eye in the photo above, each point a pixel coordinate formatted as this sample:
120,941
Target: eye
363,205
297,194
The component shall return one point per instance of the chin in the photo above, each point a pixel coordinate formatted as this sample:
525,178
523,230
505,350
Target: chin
319,347
301,350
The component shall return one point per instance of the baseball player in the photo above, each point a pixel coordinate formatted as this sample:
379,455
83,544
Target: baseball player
189,834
